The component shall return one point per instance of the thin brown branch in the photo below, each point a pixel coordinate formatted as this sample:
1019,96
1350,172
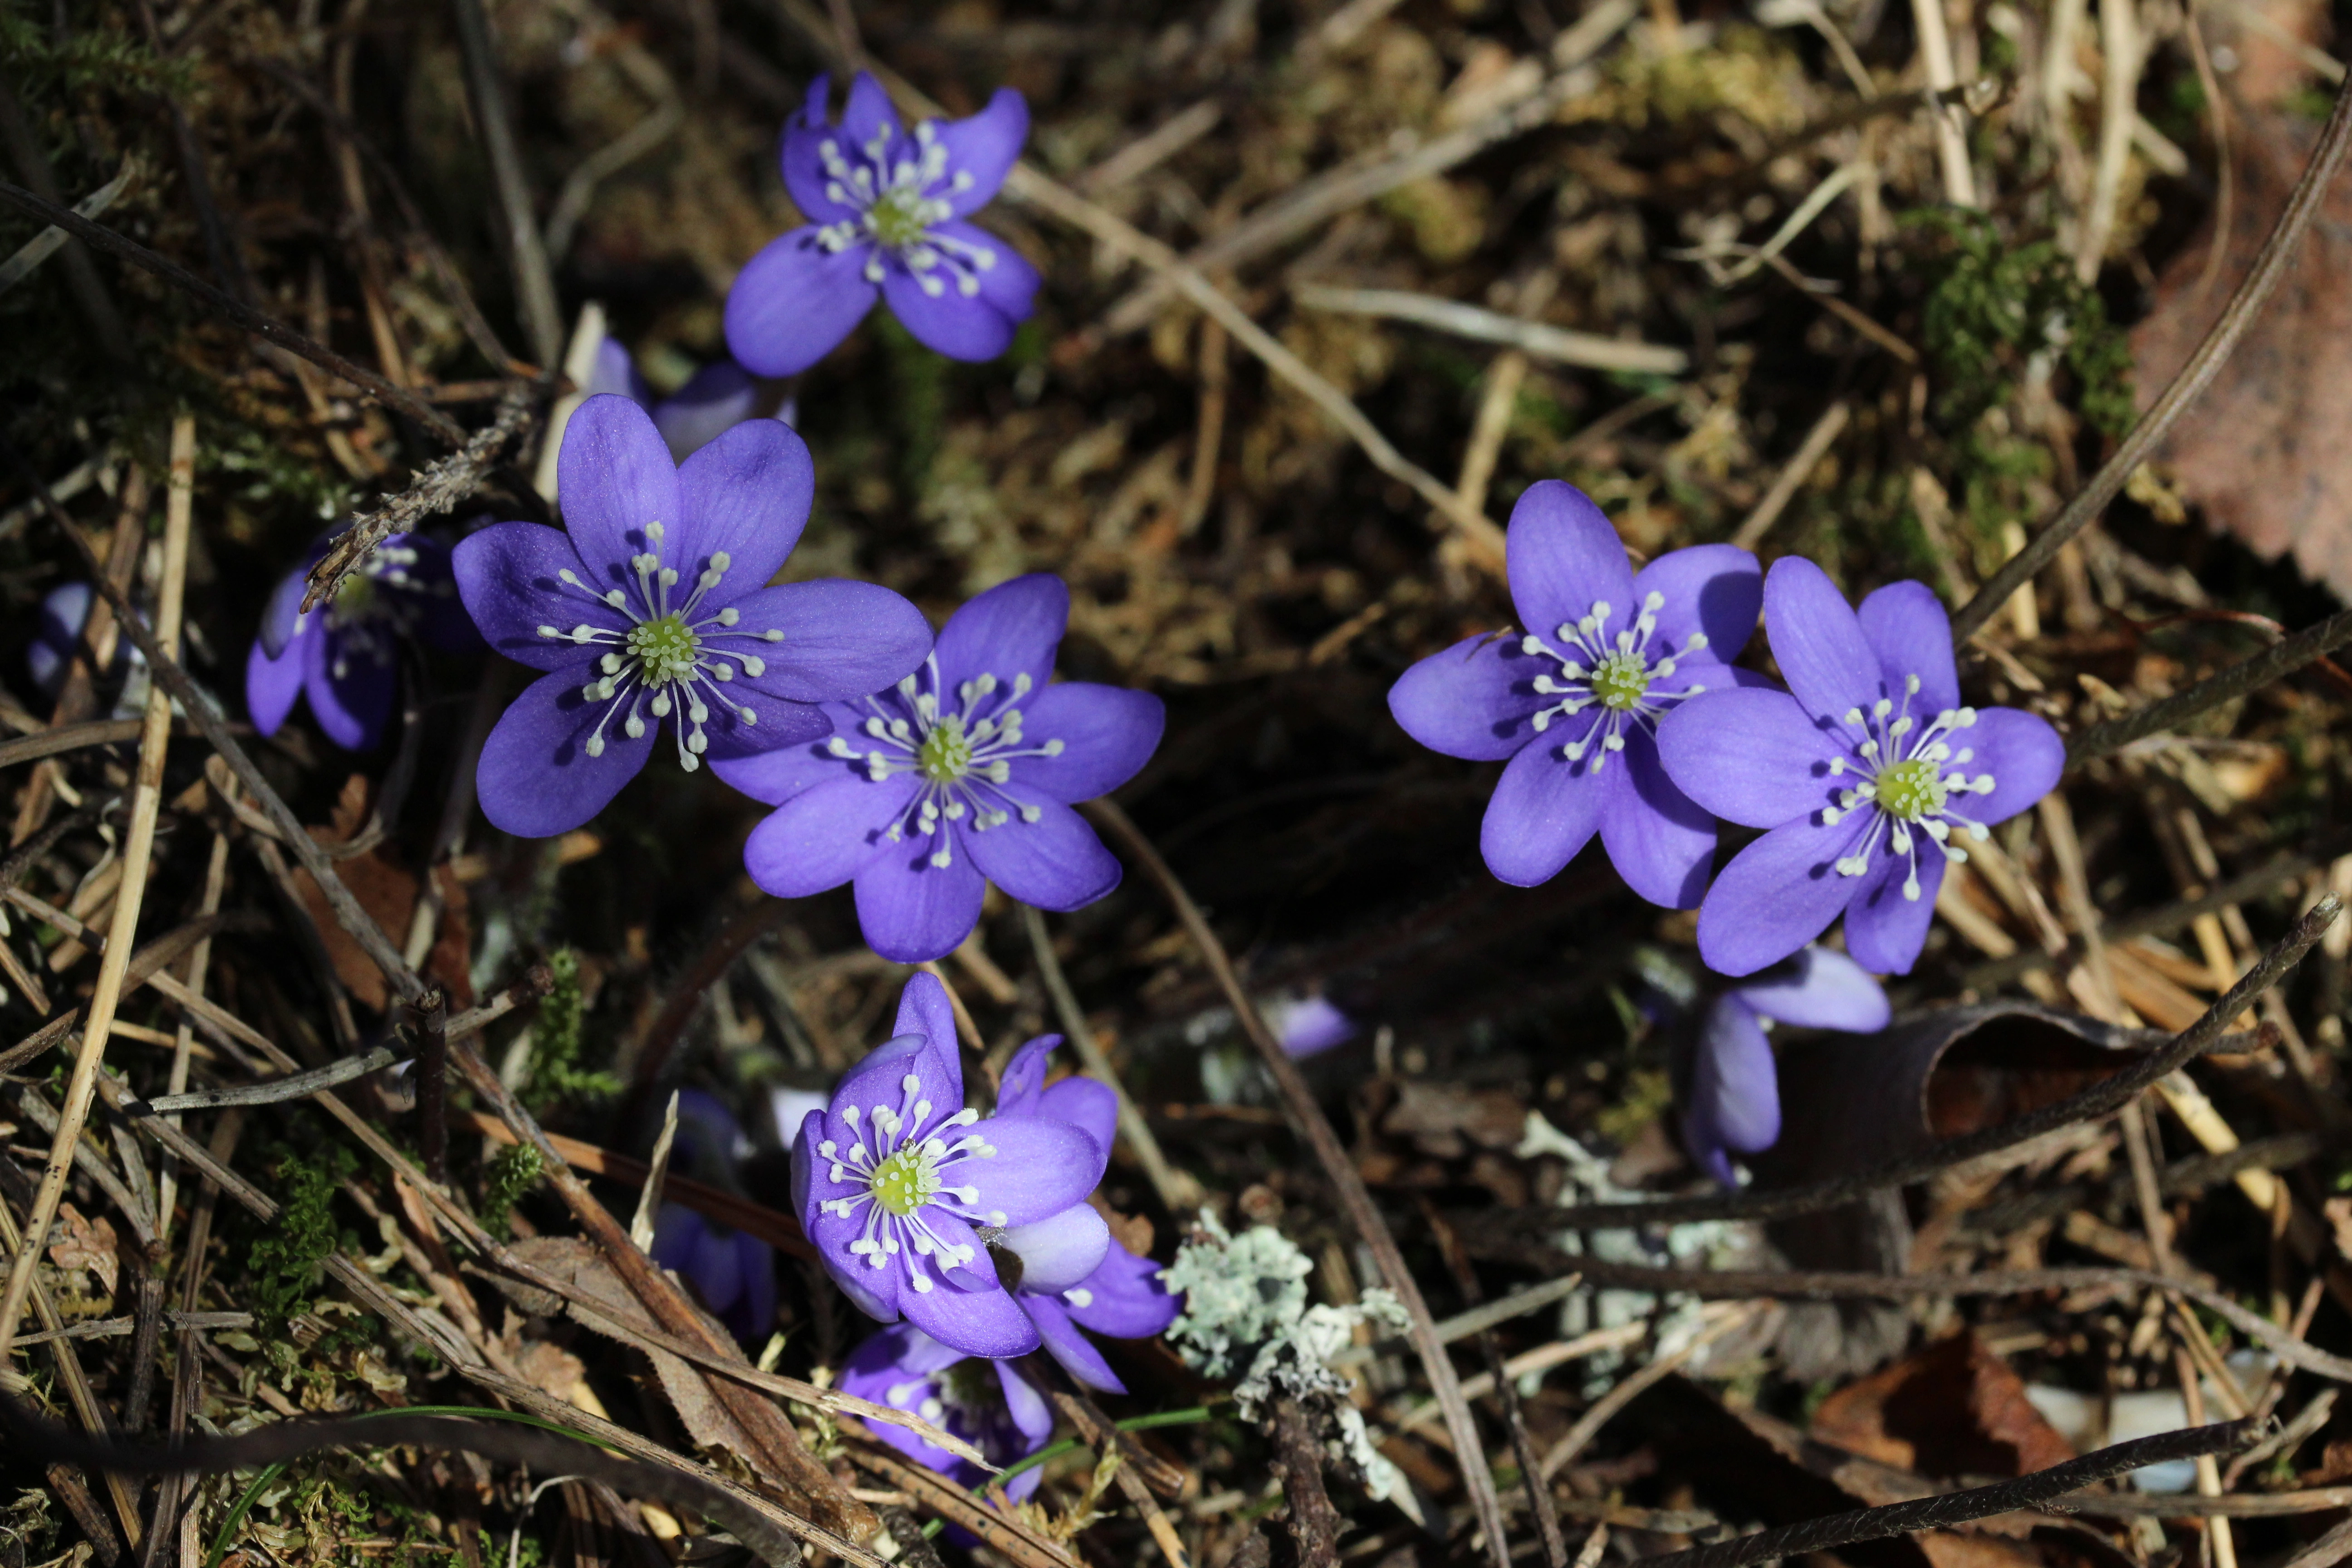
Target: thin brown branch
2281,659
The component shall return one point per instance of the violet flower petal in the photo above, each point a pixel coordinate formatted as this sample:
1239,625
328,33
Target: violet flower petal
351,694
977,1322
280,618
1912,633
1716,591
1060,1250
794,302
982,150
1545,809
804,133
1011,630
507,576
1735,1097
964,326
1885,930
1661,842
535,780
2022,753
1777,895
745,494
1054,863
1108,734
616,373
841,638
1750,756
926,1009
615,477
1021,1088
1063,1341
912,912
780,722
1032,1416
1124,1298
1090,1107
781,773
1826,990
823,836
1473,700
1040,1168
714,400
1562,556
272,685
1829,664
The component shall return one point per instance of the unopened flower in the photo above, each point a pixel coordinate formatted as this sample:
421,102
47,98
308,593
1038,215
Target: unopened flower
987,1404
1733,1104
1072,1274
962,774
346,655
653,608
886,213
1574,700
732,1271
1869,771
1306,1026
901,1188
714,399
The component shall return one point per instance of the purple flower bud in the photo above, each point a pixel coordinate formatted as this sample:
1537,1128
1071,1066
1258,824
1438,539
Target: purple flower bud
345,654
1733,1101
1574,700
887,214
1869,771
651,607
988,1404
962,774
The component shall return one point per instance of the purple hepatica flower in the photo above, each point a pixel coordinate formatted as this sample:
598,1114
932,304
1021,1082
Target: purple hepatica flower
887,214
715,399
656,609
1867,771
986,1403
1606,653
56,637
1073,1275
962,775
895,1183
734,1273
1306,1026
1733,1104
346,655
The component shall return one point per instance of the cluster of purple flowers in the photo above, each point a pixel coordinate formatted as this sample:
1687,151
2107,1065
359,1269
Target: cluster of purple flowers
1620,714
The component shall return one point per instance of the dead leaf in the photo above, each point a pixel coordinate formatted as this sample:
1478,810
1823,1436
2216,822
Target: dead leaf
1953,1409
85,1243
1445,1119
550,1369
387,891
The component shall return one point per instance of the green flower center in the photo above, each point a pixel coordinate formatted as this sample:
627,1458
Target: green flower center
355,597
946,754
1621,680
667,647
896,218
905,1181
1911,789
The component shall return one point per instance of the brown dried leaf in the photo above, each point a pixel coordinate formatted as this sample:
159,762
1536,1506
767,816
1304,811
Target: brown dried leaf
387,891
1444,1119
85,1243
1952,1409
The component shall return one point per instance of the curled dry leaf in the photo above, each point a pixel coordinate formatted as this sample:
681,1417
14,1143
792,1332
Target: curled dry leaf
1953,1409
85,1243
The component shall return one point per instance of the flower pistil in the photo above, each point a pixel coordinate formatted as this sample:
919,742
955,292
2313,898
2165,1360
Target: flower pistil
896,212
897,1168
1620,674
1902,775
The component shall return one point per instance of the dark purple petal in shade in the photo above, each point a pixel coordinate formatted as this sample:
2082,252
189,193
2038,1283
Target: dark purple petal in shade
1750,756
1056,862
716,398
272,685
747,494
794,302
1828,663
778,722
1060,1250
946,321
616,373
1088,1106
912,912
877,1078
924,1009
982,150
536,779
508,575
1021,1088
878,1293
1912,633
1713,590
977,1322
823,836
804,163
776,776
1124,1298
2022,753
1544,810
1660,842
1011,630
1040,1168
1734,1097
1108,734
1066,1344
841,638
1030,1412
280,618
1777,895
1562,556
1883,929
351,694
614,477
1823,989
1008,285
1473,700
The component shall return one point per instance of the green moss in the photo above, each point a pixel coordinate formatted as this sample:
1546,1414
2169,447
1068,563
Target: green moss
558,1042
513,1171
289,1257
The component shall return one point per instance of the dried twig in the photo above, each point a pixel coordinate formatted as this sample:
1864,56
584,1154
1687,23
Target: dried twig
1590,349
525,253
2275,662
